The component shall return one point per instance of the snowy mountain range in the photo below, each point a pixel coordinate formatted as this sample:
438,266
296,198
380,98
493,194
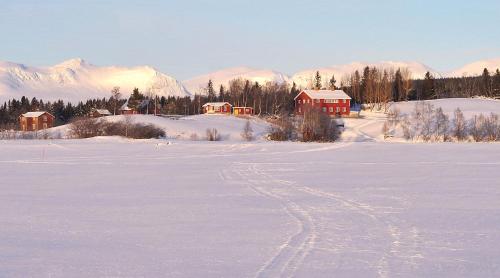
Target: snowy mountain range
222,77
75,80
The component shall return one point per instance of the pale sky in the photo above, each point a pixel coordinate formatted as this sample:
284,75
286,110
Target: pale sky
188,38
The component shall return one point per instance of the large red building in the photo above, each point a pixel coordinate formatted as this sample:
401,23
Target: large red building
334,103
33,121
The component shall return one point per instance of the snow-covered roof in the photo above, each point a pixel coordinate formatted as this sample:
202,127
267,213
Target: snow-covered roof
125,107
325,94
216,104
103,111
34,114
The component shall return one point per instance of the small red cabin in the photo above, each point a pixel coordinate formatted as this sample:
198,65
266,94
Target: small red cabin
217,108
33,121
334,103
242,111
97,113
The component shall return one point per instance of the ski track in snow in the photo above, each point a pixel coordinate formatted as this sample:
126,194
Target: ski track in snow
285,263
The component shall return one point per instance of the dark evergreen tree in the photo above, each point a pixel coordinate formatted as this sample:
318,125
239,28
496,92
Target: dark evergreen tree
428,90
135,99
486,83
317,81
332,83
496,84
397,87
210,90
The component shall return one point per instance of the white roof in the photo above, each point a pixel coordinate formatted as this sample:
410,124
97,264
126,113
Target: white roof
34,114
325,94
103,111
216,104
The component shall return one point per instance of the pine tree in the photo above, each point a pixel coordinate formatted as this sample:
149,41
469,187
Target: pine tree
317,81
210,90
486,83
428,90
397,88
496,84
332,83
135,99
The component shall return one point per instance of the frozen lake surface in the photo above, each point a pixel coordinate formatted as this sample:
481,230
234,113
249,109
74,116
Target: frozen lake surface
110,207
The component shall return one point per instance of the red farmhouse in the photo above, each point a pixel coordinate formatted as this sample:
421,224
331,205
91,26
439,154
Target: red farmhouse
217,108
33,121
335,103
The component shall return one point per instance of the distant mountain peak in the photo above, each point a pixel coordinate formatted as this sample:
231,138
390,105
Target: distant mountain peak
76,80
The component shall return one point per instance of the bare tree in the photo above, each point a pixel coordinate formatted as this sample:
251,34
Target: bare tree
115,98
247,133
459,125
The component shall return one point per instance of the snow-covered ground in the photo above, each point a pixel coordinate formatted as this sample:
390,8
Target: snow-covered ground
183,128
361,207
111,207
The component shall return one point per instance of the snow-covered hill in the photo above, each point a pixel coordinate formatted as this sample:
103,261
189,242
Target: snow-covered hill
222,77
76,80
229,127
476,68
306,77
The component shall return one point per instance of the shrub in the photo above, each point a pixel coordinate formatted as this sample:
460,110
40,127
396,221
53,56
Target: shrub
213,134
247,133
85,128
91,127
318,126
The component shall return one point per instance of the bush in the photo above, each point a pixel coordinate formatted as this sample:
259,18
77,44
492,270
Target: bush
318,126
213,134
90,127
247,133
85,128
282,128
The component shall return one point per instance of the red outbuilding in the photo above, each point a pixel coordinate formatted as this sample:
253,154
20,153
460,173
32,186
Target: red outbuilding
242,111
334,103
217,108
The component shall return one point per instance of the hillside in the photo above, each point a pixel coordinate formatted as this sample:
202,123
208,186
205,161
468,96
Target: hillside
229,127
76,80
305,78
222,77
476,68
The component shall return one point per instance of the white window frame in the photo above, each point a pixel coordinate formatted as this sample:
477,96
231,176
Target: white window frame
331,109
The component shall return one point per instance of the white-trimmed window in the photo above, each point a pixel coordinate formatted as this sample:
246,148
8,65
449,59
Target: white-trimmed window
33,126
298,101
331,109
335,101
300,110
338,109
344,109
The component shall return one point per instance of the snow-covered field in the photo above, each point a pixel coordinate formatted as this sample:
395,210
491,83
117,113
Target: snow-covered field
361,207
110,207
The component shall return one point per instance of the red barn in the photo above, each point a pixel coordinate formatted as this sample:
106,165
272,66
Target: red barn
33,121
335,103
217,108
242,111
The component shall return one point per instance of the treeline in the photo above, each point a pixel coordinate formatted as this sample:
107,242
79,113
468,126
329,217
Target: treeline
376,87
63,112
373,87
